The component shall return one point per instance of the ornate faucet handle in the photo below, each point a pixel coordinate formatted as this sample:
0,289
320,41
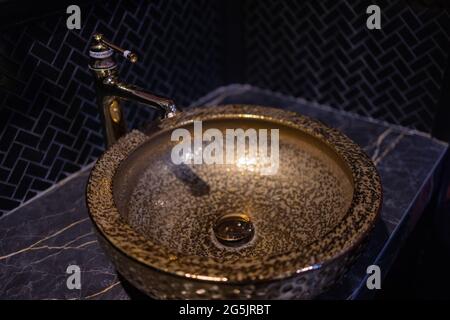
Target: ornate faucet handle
129,55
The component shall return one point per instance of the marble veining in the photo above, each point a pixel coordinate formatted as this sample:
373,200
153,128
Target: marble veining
39,240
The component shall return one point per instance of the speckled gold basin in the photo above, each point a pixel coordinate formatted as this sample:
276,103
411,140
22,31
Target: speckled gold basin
156,220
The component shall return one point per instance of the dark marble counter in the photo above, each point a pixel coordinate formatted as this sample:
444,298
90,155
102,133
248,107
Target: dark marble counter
40,239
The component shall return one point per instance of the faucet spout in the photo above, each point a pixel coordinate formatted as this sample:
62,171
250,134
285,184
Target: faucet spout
134,93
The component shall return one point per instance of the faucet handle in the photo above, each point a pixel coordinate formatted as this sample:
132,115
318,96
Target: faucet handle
129,55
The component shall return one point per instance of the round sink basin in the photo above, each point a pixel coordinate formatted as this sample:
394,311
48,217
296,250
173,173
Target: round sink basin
236,229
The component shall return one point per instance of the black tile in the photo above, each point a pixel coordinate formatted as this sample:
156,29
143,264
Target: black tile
64,64
17,103
12,156
42,122
27,138
66,73
83,77
33,86
32,155
47,139
52,89
47,71
71,168
81,139
35,170
22,188
92,124
18,172
74,109
64,138
60,122
42,52
40,185
51,154
7,138
74,40
55,170
6,190
36,107
21,121
57,38
68,154
84,154
7,204
71,91
27,67
30,194
4,174
95,139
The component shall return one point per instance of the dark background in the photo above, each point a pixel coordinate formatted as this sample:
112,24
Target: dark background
317,50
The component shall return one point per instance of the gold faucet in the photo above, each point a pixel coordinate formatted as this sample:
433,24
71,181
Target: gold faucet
110,90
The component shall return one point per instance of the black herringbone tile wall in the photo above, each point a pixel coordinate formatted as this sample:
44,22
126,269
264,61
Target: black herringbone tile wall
322,51
49,125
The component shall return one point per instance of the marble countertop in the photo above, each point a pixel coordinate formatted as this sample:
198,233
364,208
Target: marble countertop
42,238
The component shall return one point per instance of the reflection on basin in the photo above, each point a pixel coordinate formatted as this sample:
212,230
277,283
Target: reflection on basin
226,230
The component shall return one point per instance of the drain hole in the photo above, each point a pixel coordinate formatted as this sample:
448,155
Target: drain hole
234,230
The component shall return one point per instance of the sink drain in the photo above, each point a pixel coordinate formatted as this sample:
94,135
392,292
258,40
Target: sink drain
234,230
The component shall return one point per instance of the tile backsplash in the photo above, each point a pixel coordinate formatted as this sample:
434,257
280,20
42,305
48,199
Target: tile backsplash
49,124
323,51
